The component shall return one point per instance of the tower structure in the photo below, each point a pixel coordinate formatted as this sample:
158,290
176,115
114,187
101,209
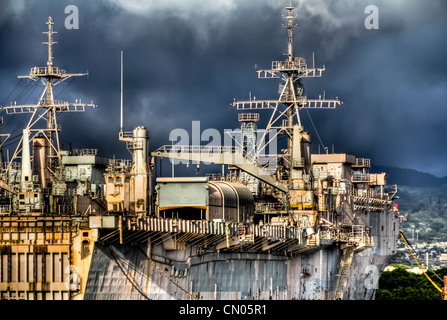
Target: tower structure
46,111
295,170
248,133
249,145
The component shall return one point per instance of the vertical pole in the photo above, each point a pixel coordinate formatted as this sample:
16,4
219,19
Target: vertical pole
172,162
444,293
49,92
50,43
121,118
228,235
120,226
290,33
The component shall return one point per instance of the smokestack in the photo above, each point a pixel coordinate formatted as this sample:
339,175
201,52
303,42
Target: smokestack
26,177
140,179
40,160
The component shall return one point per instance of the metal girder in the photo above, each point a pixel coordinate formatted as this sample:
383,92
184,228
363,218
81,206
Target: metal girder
303,72
219,155
57,107
303,103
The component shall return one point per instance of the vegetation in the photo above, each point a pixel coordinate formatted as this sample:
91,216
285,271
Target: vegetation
400,284
423,203
425,211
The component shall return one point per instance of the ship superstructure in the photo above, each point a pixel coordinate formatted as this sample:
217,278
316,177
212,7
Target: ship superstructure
279,225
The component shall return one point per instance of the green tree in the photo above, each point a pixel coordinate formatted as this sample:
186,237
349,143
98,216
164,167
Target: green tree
400,284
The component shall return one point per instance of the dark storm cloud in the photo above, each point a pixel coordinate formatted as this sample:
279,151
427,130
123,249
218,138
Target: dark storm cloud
186,60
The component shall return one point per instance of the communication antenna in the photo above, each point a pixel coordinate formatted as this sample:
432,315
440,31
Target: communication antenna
290,5
123,136
121,118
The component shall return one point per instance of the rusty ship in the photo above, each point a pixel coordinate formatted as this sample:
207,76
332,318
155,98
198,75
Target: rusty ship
273,225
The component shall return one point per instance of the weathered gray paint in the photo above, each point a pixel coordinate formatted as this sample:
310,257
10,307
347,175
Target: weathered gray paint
226,275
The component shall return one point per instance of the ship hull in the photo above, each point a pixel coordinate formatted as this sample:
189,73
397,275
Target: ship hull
148,271
123,272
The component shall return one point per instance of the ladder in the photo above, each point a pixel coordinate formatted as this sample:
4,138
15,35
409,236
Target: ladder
346,261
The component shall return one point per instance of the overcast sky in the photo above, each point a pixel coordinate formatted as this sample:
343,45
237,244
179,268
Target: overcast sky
186,60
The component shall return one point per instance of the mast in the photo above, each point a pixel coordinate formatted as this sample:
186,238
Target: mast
290,76
285,119
292,97
47,109
49,84
290,27
122,135
50,42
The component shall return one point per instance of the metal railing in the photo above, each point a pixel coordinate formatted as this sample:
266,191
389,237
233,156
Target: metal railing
5,209
363,162
40,71
13,165
268,163
126,134
199,149
360,177
120,162
354,234
297,63
298,162
269,207
369,194
248,117
85,152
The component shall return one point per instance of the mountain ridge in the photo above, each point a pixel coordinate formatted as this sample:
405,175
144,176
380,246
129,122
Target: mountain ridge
409,177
